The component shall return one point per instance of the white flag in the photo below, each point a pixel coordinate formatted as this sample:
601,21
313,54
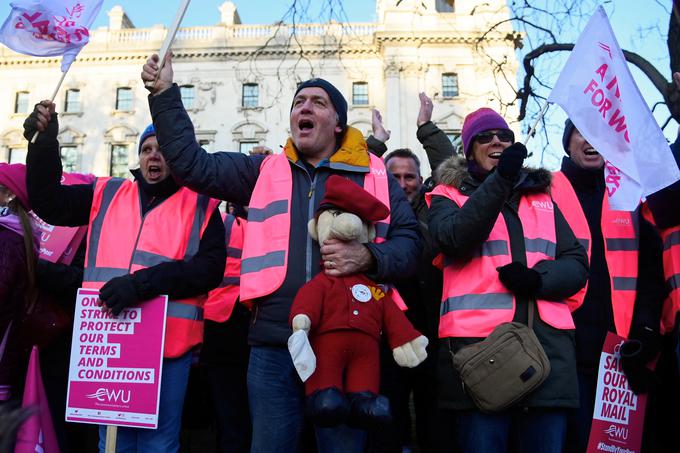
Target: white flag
598,92
46,28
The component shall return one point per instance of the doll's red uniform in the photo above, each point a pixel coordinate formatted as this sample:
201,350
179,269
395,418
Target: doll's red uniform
347,317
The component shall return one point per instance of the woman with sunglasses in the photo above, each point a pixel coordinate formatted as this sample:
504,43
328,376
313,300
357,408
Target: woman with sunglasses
505,243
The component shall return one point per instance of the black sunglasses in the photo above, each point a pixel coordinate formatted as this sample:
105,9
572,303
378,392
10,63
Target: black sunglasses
504,135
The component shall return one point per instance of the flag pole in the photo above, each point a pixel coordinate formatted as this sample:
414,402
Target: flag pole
169,38
111,434
541,114
54,96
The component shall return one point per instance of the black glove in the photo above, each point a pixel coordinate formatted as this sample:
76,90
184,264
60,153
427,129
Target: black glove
511,160
520,279
119,293
31,126
642,346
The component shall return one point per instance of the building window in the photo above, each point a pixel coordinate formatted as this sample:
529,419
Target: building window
445,6
119,161
17,155
124,99
69,158
72,103
188,93
206,145
449,85
21,102
360,93
251,92
245,147
454,138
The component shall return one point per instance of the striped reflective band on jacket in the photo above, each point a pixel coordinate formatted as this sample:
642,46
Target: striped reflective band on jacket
121,241
265,248
538,245
671,269
474,300
620,231
221,301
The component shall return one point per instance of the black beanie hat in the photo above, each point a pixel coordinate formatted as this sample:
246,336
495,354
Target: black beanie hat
337,99
568,129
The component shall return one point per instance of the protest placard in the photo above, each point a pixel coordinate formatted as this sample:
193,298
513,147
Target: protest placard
619,414
112,380
54,240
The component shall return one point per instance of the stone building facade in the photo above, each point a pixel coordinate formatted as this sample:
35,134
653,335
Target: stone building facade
237,80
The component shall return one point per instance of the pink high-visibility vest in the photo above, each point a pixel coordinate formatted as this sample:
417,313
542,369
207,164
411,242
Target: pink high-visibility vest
671,269
620,230
222,299
474,301
122,241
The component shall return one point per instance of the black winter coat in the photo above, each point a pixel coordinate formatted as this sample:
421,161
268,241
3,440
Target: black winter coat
664,203
595,317
460,231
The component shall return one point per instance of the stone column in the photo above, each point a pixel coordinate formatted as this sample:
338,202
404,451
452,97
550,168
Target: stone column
392,113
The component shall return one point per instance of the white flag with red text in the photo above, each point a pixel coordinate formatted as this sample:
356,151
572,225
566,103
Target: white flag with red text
598,92
47,28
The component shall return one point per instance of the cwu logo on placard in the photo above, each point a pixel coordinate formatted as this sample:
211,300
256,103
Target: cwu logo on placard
617,433
111,396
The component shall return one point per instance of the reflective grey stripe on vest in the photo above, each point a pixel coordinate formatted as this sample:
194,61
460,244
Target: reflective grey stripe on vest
584,243
110,189
381,229
671,240
348,167
233,252
625,283
148,259
228,223
272,209
102,274
492,301
539,245
673,282
493,248
622,244
257,263
230,281
195,234
185,311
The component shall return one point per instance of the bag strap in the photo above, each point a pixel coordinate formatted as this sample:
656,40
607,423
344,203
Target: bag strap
531,304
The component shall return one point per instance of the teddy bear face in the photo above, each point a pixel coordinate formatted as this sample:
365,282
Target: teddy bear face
344,226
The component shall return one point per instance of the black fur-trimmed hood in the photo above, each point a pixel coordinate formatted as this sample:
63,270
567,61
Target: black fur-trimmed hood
454,172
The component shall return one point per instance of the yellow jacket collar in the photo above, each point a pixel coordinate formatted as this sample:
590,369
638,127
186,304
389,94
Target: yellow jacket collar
352,154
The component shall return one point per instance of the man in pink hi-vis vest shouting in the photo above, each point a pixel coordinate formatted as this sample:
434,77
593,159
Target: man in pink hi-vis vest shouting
283,192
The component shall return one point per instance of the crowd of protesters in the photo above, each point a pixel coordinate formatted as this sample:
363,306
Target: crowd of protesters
483,241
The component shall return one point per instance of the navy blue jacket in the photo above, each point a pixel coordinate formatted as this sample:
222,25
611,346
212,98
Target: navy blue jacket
232,177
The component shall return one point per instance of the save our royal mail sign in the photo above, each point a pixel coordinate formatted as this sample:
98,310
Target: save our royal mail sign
115,369
619,414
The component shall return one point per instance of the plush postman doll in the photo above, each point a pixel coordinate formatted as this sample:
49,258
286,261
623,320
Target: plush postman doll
345,317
